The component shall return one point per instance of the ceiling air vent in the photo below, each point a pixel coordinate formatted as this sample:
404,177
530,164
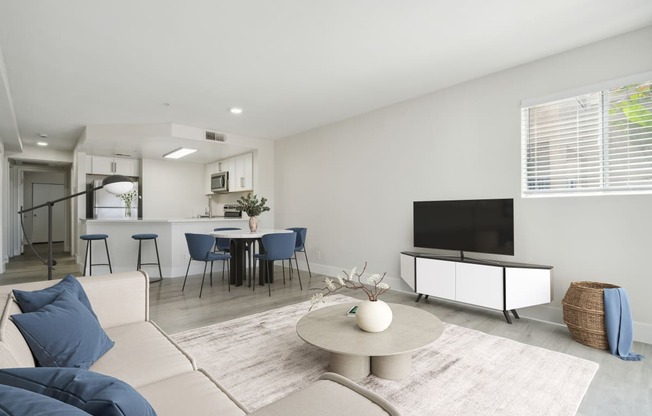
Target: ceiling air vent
217,137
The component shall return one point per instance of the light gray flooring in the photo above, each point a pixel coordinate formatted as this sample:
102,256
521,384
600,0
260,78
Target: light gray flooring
619,387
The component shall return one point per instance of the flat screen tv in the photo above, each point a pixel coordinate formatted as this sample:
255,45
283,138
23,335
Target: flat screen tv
479,225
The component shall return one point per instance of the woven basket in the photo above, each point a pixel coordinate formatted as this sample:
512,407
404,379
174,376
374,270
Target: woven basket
583,308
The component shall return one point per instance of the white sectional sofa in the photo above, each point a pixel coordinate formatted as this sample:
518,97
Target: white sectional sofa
148,360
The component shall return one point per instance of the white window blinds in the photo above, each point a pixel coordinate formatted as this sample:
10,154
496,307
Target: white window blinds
596,142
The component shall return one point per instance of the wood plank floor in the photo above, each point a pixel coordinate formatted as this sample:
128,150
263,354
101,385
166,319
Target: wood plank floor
619,388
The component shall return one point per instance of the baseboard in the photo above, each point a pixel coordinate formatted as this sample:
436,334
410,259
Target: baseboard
396,283
554,315
643,332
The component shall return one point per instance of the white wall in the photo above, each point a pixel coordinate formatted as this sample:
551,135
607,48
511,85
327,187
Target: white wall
4,186
172,189
353,183
42,154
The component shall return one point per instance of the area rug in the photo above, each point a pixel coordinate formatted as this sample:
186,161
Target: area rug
259,359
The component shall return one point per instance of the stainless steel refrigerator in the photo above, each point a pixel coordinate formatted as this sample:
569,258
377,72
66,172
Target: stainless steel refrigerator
109,206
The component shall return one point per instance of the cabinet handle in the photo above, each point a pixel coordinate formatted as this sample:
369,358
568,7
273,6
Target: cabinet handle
242,182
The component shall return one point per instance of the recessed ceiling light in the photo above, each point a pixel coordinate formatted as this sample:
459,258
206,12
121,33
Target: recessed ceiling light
42,143
179,153
235,110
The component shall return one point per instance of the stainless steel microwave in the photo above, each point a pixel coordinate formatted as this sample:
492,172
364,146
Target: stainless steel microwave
220,182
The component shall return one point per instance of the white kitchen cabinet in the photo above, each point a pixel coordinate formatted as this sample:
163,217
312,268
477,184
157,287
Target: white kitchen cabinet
497,285
209,170
100,165
222,166
242,173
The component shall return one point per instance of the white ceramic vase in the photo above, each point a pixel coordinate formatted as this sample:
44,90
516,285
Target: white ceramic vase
373,316
253,224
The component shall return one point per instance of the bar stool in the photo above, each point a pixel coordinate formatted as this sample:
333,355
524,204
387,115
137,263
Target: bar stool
89,238
140,238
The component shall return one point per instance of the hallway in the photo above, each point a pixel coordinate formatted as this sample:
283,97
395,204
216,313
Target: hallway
29,268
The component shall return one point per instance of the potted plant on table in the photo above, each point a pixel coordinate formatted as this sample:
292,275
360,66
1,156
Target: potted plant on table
373,315
253,208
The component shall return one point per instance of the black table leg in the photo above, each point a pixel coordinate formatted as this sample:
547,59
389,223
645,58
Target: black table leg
238,261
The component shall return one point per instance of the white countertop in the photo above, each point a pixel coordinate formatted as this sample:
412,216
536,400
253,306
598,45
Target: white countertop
163,220
171,241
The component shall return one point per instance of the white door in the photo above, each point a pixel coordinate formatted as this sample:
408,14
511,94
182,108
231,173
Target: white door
42,193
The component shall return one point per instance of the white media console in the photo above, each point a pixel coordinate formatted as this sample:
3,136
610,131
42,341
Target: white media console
497,285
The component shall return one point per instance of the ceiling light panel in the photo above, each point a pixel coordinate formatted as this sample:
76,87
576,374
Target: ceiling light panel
179,153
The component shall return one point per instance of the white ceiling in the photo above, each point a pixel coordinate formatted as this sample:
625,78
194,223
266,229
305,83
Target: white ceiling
293,65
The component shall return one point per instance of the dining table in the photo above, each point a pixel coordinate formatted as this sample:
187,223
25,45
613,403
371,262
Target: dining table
239,241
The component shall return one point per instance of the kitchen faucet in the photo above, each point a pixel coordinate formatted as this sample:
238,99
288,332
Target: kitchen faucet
210,207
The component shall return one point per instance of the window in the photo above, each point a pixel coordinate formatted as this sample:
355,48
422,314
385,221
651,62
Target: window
597,142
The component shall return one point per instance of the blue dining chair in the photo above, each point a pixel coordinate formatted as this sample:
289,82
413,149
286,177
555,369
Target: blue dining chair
224,244
200,247
300,246
276,246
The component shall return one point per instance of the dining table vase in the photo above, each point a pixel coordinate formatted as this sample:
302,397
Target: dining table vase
253,224
373,316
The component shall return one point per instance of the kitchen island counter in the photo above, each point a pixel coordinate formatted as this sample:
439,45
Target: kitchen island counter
172,246
159,220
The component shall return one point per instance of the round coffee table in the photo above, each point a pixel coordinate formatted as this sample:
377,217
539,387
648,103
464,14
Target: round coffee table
355,353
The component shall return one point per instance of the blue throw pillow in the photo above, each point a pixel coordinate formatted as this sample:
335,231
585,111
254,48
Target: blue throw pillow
63,334
91,392
36,299
19,402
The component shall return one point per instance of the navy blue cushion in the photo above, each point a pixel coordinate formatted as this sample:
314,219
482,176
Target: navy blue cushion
36,299
91,392
19,402
93,236
144,236
63,334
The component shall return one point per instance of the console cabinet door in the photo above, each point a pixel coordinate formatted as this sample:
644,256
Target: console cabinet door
408,271
436,278
479,285
527,287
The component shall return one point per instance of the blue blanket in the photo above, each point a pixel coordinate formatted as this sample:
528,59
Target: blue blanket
618,322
